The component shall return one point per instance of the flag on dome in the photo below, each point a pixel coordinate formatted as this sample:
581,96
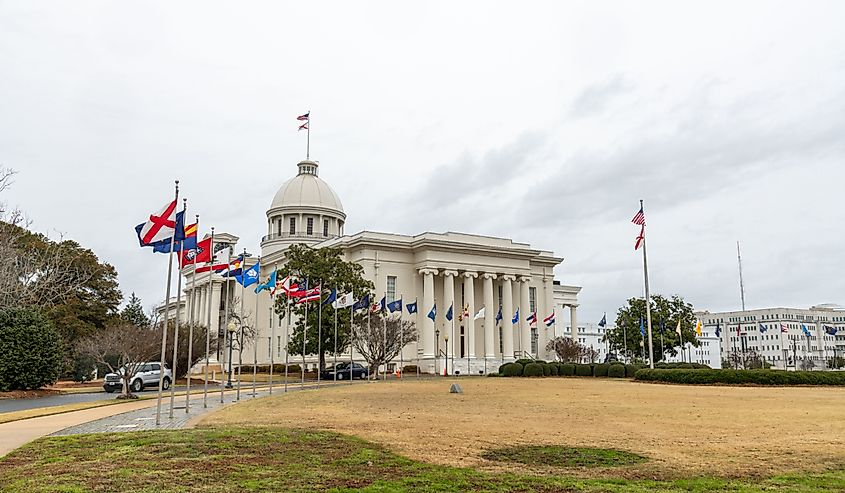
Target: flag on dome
411,307
550,320
249,276
395,306
433,313
344,301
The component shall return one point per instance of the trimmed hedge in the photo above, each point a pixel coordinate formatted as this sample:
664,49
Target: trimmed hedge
554,369
582,370
755,377
600,370
567,370
524,361
631,370
616,371
547,369
685,366
502,368
533,370
513,370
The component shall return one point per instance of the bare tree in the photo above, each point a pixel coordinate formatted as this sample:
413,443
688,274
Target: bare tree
566,349
123,348
381,340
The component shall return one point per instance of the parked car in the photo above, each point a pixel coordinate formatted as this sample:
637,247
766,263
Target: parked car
147,376
342,369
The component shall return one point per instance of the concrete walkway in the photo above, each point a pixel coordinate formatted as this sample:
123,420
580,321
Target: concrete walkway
131,416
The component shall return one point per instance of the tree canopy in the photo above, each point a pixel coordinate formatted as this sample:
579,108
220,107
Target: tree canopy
324,267
665,314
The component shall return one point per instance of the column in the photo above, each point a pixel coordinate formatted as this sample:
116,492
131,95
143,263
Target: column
507,317
449,329
548,309
201,316
427,334
469,324
524,312
573,321
214,323
489,316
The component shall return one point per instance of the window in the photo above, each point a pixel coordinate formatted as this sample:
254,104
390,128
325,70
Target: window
278,345
310,226
279,227
532,299
391,288
292,229
500,297
325,227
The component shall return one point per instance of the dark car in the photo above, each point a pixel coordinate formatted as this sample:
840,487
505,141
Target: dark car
342,369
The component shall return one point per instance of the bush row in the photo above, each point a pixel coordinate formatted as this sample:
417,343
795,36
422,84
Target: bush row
531,368
277,368
685,366
756,377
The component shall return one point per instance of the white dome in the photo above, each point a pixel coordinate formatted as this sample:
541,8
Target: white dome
306,189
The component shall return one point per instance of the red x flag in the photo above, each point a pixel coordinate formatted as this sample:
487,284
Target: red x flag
160,226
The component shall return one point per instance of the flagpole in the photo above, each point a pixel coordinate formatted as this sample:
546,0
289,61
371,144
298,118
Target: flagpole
304,334
255,336
336,306
191,327
166,315
287,334
223,381
369,309
384,337
241,328
308,137
351,336
417,312
208,323
401,337
320,332
174,370
272,326
647,298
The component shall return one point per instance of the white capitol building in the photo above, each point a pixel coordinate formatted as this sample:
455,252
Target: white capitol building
446,268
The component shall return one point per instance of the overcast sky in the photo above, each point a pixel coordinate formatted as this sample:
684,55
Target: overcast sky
544,122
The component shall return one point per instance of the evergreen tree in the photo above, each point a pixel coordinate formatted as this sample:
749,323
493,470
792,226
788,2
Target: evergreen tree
133,312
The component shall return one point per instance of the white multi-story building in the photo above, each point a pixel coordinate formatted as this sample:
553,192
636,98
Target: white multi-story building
443,269
782,336
708,352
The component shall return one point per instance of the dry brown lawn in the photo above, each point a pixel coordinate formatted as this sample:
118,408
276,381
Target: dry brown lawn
685,430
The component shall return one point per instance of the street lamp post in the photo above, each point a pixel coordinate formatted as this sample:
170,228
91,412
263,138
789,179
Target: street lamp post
232,327
436,350
446,339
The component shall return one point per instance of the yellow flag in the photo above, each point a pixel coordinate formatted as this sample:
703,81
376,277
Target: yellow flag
698,328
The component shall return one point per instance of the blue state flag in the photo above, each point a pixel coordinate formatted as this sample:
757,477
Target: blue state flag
642,327
382,304
515,316
411,307
249,276
449,312
763,328
830,330
805,330
362,303
603,321
718,330
499,316
332,297
433,313
395,306
270,284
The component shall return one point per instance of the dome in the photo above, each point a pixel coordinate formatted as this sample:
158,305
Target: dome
307,190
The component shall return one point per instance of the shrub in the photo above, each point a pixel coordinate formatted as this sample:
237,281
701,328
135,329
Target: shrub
409,369
630,370
554,369
583,370
547,369
524,361
513,370
502,369
616,370
533,370
600,370
291,369
30,350
754,377
567,370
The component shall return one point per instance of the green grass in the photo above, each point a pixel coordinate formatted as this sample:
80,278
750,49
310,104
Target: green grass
550,455
274,459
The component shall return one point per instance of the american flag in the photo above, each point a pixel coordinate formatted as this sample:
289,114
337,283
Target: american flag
639,219
303,118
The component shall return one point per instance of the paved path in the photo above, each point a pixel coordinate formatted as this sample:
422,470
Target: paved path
10,405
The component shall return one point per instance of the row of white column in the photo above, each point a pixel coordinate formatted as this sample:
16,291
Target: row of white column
198,303
515,343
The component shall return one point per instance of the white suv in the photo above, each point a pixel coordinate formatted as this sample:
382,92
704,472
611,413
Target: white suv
147,376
